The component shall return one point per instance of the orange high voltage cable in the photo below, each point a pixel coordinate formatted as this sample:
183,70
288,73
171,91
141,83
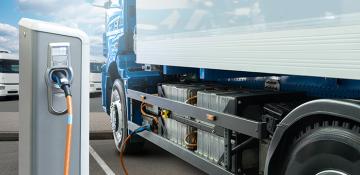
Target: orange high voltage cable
68,135
122,150
123,145
189,100
63,82
142,106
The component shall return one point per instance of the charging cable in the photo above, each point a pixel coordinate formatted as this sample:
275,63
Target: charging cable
122,150
63,82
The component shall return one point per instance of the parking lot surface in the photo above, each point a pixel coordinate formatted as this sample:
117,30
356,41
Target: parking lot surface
151,161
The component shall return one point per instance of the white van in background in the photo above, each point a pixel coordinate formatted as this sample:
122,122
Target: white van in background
9,74
95,73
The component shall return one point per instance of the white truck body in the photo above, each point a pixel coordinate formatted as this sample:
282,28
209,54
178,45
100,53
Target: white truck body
9,74
310,38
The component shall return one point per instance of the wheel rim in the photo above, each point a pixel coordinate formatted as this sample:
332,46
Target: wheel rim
331,172
116,115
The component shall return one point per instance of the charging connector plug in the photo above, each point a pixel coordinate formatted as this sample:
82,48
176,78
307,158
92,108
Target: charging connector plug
60,78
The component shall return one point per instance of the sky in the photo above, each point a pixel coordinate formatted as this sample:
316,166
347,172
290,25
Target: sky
81,14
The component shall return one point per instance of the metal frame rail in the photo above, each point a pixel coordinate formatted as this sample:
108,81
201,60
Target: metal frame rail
232,122
211,129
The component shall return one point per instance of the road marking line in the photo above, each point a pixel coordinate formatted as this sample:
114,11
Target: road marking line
101,162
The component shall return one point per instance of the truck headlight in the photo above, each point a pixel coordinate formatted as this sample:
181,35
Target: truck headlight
2,87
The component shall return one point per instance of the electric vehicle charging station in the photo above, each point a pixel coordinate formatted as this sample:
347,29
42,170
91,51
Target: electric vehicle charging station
46,48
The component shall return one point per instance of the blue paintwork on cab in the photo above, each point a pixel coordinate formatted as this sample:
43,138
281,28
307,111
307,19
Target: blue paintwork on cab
121,59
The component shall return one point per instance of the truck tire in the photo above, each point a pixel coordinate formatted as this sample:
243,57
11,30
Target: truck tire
118,115
325,149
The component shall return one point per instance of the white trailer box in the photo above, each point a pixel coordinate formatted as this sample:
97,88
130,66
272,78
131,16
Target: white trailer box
311,38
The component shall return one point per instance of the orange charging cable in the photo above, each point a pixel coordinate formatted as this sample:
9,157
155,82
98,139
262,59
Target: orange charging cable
68,135
122,150
123,145
62,81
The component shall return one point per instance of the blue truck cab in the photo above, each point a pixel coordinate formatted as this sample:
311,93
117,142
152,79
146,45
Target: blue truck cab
229,107
119,50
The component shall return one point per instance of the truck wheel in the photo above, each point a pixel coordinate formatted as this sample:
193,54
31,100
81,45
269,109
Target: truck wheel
325,150
118,115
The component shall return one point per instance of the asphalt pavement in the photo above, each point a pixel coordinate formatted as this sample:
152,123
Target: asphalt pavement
151,161
9,105
100,127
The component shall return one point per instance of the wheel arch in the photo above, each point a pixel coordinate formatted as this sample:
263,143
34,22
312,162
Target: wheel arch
113,74
316,109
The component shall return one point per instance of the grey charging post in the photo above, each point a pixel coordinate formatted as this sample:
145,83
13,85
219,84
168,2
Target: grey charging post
45,48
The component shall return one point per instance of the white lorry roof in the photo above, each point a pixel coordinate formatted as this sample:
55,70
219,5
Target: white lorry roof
9,56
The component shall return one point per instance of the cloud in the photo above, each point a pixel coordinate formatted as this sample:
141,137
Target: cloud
8,38
87,18
8,29
79,14
44,6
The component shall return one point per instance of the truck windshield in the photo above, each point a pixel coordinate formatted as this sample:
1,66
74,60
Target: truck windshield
95,67
9,66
